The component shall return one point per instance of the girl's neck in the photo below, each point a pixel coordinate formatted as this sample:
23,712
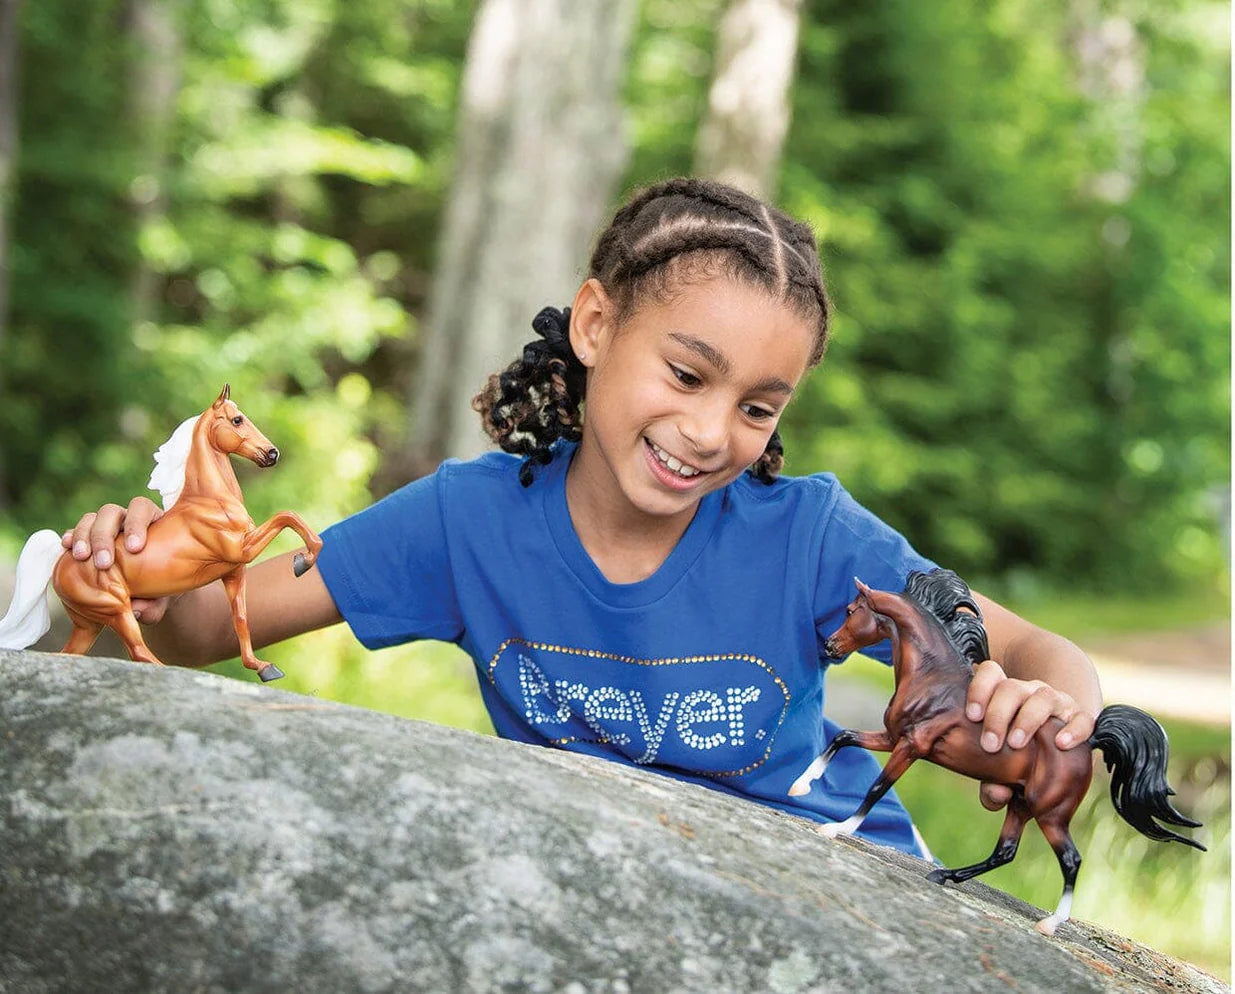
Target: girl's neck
626,544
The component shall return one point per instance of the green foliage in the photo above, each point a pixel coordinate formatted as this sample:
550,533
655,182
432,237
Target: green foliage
1025,377
283,247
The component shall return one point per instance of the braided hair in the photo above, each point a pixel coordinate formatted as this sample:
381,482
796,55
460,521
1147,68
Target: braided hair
665,235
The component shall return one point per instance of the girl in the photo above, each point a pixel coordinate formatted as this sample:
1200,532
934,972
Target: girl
642,585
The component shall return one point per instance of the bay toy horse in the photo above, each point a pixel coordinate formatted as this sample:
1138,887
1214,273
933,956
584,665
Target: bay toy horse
204,535
935,643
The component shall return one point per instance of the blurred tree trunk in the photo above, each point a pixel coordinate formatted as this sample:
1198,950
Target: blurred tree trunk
9,10
540,148
154,82
8,140
741,139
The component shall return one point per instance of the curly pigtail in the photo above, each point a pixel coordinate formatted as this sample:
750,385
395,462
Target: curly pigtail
538,398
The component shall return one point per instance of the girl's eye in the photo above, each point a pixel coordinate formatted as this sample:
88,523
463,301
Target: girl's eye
685,378
757,413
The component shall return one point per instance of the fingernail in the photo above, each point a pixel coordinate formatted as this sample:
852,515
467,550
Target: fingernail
1064,739
1016,739
102,559
990,742
81,550
137,615
974,712
130,543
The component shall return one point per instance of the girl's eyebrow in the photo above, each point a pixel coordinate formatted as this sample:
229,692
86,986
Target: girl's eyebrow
700,347
713,355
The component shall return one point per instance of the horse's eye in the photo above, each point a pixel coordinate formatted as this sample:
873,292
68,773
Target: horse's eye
237,420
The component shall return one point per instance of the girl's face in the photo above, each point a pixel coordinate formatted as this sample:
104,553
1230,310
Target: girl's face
683,396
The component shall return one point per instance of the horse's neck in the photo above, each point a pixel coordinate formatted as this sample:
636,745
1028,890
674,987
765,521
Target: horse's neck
208,472
909,632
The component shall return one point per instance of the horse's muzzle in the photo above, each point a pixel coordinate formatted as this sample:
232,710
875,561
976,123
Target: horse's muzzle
832,649
268,458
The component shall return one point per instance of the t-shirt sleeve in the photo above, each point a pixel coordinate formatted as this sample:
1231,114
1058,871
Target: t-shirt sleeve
388,568
855,543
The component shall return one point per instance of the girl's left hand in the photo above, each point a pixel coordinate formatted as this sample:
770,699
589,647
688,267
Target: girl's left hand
1014,710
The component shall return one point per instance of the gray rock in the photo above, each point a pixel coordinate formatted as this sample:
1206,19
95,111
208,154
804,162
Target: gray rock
166,830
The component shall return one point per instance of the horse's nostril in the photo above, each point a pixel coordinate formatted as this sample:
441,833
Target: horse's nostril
273,455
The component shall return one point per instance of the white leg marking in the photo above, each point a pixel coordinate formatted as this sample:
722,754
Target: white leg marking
846,827
813,772
1048,924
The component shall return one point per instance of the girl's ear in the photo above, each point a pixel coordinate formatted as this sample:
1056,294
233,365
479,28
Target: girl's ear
590,319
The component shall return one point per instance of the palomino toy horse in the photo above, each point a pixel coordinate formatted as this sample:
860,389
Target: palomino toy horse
926,720
205,535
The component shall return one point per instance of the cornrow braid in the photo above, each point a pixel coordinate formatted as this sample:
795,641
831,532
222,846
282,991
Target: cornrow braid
664,236
537,398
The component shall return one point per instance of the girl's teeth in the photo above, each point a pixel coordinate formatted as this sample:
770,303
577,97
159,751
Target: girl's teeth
674,464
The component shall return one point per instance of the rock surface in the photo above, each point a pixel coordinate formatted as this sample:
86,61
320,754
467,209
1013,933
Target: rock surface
165,830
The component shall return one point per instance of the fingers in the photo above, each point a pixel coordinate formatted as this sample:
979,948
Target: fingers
141,514
994,796
1013,710
1076,730
95,534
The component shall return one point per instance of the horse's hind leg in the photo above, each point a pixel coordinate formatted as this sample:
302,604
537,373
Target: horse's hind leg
1004,852
1056,832
83,635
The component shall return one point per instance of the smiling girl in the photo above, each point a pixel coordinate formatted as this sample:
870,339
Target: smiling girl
632,576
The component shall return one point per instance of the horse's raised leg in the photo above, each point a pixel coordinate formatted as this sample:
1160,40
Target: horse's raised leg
234,583
876,741
263,534
1004,852
1056,832
903,755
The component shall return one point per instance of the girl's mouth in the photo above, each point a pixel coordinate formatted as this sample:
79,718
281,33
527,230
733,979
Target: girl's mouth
670,470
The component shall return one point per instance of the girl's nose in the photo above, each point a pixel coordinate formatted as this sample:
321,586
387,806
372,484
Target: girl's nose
706,435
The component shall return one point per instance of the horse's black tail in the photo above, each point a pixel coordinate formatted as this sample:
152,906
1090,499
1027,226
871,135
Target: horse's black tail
1135,749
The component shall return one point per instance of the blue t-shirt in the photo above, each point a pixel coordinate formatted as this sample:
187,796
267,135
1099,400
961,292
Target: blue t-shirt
710,670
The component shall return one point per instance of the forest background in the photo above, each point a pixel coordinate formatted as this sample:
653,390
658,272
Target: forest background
350,212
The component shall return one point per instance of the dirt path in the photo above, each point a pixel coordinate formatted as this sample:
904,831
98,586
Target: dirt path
1179,674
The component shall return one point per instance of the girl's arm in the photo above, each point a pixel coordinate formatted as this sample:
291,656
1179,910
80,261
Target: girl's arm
1036,675
195,628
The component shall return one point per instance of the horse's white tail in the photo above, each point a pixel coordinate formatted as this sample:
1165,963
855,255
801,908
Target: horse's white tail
28,618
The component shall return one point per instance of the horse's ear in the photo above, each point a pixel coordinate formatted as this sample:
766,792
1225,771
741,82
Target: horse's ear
224,395
862,587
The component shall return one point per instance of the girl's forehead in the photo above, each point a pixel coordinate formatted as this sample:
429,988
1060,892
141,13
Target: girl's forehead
736,319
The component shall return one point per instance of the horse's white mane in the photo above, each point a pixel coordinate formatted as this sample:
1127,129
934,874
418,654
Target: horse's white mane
167,477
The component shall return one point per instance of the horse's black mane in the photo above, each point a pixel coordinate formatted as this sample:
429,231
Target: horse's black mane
941,593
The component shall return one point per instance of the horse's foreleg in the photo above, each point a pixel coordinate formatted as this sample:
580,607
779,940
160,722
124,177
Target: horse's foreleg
903,755
234,583
876,741
1056,831
263,534
1004,852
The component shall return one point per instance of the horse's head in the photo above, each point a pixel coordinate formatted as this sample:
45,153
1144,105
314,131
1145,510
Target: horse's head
863,626
231,432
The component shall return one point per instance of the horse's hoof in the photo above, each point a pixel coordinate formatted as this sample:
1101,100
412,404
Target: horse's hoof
1048,925
939,876
301,564
269,672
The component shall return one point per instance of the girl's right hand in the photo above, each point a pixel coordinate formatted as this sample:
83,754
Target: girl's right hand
95,538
